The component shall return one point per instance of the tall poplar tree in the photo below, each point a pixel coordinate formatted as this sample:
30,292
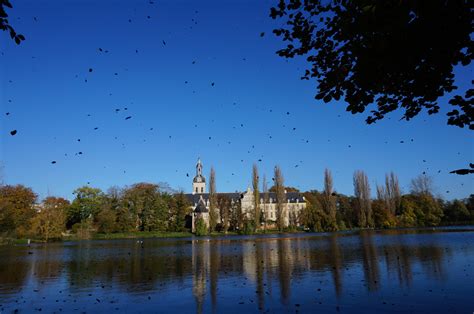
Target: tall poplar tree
256,196
212,201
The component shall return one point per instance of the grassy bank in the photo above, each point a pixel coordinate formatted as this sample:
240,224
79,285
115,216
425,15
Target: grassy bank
141,234
124,235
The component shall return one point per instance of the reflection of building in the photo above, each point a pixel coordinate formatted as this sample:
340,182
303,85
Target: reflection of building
294,202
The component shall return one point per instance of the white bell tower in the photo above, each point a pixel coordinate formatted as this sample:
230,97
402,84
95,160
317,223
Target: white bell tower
199,182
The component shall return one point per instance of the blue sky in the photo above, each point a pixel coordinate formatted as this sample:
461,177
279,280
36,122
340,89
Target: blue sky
149,70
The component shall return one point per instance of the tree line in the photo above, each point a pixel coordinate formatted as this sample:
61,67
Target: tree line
328,210
140,207
149,207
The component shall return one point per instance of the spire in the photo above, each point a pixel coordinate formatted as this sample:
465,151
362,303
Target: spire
199,168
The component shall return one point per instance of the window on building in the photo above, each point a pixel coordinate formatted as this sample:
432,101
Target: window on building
202,190
196,190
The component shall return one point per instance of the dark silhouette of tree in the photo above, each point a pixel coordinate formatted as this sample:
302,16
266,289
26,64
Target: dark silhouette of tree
256,197
329,200
393,53
280,197
224,204
5,25
212,201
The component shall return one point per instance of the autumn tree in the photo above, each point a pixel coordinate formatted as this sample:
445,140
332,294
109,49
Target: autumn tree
16,209
329,200
212,201
50,221
363,201
391,193
288,189
256,196
280,197
420,210
313,216
348,217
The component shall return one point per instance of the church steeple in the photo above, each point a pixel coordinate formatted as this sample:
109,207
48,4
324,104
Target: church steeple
199,168
199,181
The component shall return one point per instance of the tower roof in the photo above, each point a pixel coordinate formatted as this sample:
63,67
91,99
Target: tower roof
199,178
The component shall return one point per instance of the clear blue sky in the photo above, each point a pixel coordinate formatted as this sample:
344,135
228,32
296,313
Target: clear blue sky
43,88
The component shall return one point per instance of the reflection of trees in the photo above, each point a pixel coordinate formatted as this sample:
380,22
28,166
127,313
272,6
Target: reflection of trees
369,260
214,271
401,257
336,260
13,269
267,262
200,263
284,268
260,263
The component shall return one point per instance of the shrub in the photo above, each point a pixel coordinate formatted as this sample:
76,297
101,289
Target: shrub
201,228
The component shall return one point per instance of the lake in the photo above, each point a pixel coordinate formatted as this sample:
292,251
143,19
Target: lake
394,271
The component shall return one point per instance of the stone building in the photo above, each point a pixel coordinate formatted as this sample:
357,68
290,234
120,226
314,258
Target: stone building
199,199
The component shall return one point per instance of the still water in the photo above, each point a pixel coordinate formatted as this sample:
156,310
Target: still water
425,270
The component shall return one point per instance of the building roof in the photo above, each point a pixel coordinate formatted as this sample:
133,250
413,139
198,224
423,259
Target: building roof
293,197
194,198
201,208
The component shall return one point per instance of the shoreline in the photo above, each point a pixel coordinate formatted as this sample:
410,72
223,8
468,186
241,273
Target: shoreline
186,234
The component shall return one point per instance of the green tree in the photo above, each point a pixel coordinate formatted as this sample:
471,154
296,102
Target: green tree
420,210
106,221
148,206
16,209
180,208
114,203
50,221
87,204
408,217
201,228
456,211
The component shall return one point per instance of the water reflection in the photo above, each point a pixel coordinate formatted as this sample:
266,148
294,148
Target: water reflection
276,273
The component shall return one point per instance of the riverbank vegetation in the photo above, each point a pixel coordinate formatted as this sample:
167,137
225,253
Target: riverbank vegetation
147,210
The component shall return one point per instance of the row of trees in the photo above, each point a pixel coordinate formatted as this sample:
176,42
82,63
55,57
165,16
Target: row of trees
147,207
330,211
140,207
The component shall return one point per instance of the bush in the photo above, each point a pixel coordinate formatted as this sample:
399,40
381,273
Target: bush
248,228
83,230
201,228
